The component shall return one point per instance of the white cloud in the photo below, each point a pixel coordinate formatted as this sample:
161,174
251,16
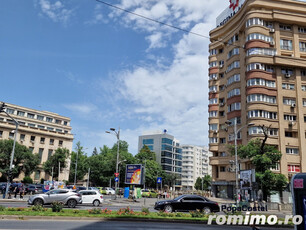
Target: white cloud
55,11
81,109
98,16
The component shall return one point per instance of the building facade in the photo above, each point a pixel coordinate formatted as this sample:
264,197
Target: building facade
168,152
41,131
257,74
195,164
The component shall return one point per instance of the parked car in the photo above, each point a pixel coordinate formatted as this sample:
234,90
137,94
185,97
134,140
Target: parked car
93,188
31,189
91,197
188,203
107,191
148,193
120,191
65,196
80,188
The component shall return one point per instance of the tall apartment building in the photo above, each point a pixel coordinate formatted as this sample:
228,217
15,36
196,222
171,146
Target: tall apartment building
168,152
195,164
41,131
257,74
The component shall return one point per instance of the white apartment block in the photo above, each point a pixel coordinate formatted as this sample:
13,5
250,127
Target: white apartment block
195,164
41,131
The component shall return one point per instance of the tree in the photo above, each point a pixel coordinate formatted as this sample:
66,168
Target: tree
82,167
152,168
206,183
263,157
95,151
24,160
60,156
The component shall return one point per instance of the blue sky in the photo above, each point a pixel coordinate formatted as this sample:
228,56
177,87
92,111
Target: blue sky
104,68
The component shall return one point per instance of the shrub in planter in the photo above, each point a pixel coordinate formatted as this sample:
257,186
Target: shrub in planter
38,208
94,211
2,208
57,206
125,211
197,214
106,211
145,210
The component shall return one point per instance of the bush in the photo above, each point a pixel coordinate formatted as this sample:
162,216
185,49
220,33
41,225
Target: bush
27,180
38,208
106,211
125,211
2,208
145,210
76,211
94,211
57,206
197,214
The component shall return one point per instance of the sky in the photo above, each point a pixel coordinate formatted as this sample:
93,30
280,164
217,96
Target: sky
105,68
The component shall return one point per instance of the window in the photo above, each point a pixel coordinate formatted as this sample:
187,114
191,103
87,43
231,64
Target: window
42,140
50,151
213,52
10,111
261,98
50,128
60,143
1,133
212,89
221,87
235,64
287,71
257,36
289,117
49,119
31,125
232,79
254,21
221,114
51,142
213,76
275,167
58,121
233,52
40,126
65,123
37,175
21,123
288,86
213,127
221,63
213,101
233,107
167,141
303,87
22,137
32,138
294,151
303,46
255,130
260,81
41,118
11,135
285,27
222,154
293,168
261,51
30,115
59,130
40,154
212,64
233,39
233,92
222,169
302,29
20,113
231,137
273,132
260,66
31,149
288,101
222,140
221,75
233,120
285,44
213,113
304,102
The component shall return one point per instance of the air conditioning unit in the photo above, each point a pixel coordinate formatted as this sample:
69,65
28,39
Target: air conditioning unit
287,75
221,104
221,66
272,43
272,30
293,105
214,78
291,123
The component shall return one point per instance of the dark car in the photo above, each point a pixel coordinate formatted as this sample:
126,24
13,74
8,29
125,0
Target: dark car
188,203
31,189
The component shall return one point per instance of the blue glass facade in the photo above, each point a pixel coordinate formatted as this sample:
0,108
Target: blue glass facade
148,141
167,141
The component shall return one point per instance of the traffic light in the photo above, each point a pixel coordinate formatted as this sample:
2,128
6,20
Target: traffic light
2,107
9,174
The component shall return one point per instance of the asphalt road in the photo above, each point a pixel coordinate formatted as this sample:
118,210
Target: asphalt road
114,225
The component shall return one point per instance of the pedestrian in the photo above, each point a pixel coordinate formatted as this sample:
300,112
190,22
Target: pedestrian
21,192
10,190
16,190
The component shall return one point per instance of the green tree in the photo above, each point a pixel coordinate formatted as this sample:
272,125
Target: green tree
61,156
82,162
206,183
95,151
152,168
263,157
24,160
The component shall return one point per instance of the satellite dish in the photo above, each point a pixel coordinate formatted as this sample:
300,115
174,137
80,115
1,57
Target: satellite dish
165,130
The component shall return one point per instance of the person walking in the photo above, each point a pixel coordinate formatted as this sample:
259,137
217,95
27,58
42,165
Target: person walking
21,192
16,190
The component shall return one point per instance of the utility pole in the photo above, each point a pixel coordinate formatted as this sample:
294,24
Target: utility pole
52,173
59,170
88,178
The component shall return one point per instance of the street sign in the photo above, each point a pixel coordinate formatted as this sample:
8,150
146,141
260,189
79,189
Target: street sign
116,179
159,180
116,174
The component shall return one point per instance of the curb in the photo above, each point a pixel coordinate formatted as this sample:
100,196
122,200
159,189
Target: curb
124,219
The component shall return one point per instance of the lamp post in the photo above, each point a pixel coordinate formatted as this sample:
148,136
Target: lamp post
117,134
236,152
13,150
76,166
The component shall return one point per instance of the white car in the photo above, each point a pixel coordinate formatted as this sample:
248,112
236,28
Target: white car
110,191
91,197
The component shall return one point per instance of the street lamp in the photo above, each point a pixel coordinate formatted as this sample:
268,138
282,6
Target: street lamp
236,152
13,150
117,134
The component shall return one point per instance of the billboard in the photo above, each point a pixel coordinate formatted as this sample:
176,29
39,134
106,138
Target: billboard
246,179
133,174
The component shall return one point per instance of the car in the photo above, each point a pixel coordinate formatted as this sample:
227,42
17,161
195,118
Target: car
93,188
80,188
65,196
120,191
107,191
188,203
93,197
148,193
31,189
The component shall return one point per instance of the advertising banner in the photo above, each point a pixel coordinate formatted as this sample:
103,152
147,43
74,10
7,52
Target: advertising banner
246,179
48,185
133,174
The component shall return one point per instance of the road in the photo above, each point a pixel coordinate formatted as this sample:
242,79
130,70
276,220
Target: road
114,225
